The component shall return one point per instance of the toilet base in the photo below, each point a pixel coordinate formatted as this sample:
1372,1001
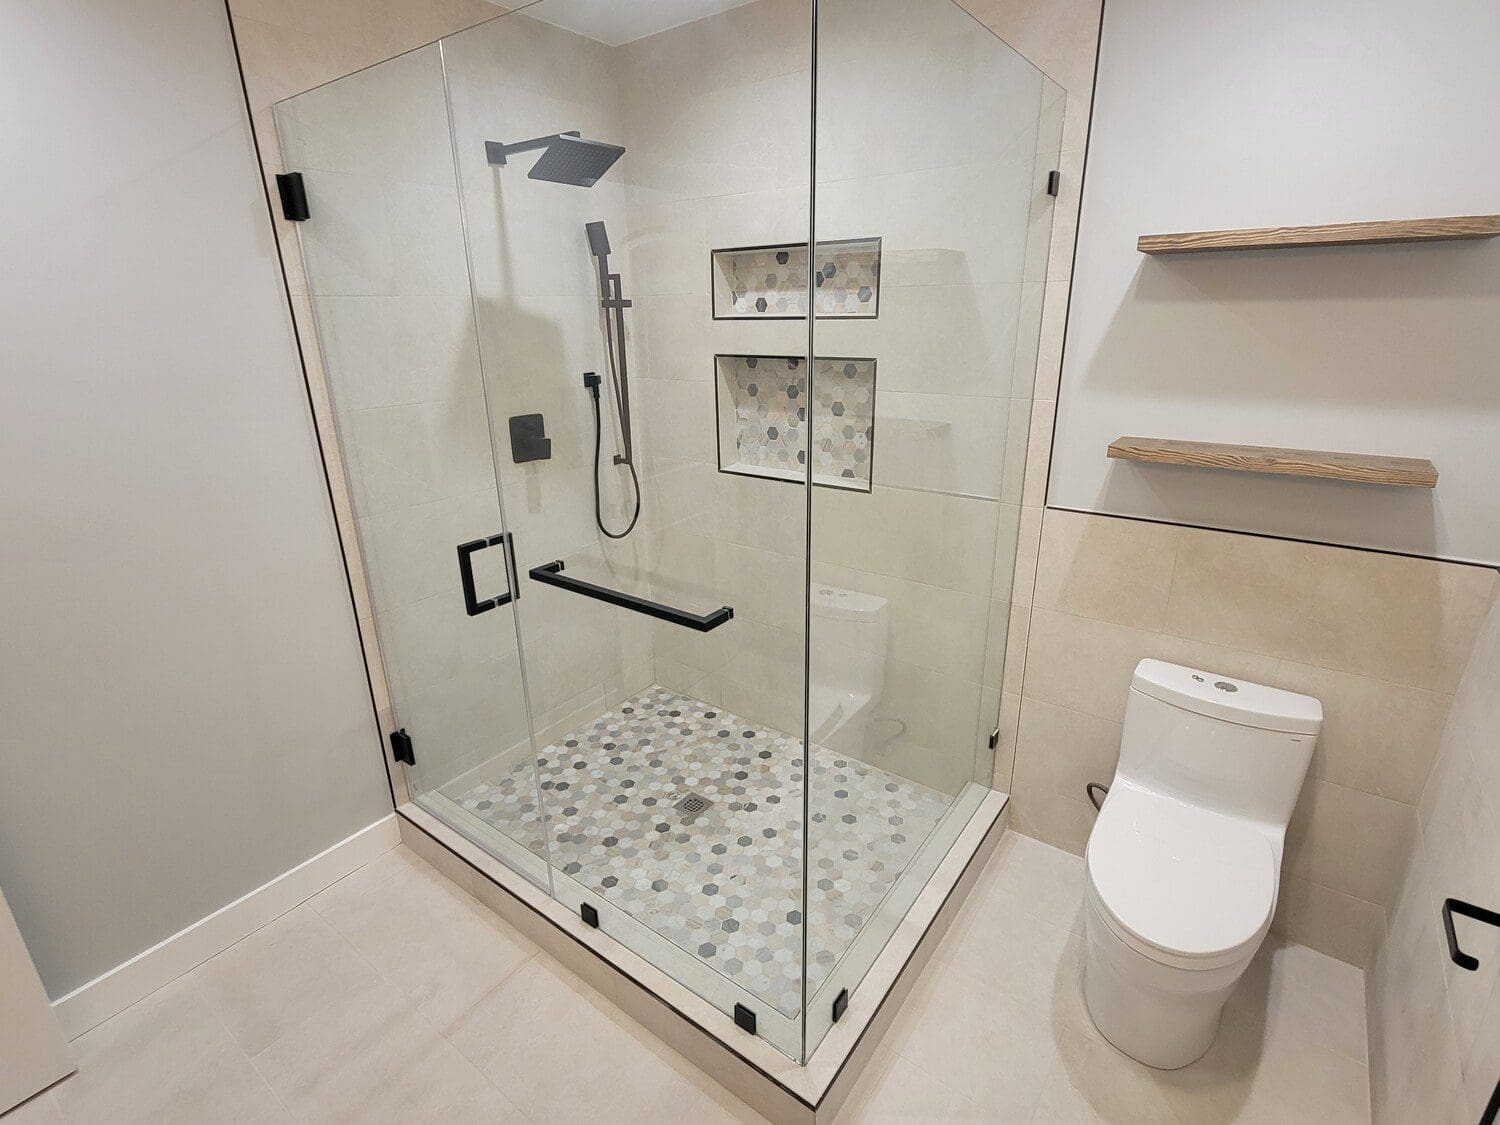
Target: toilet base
1162,1016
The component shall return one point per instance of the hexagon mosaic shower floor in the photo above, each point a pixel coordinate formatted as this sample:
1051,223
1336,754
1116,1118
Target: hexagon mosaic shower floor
724,883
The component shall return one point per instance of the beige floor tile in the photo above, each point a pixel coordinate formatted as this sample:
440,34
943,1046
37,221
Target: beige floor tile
371,1057
442,947
891,1090
1293,991
1092,1081
996,1031
168,1058
976,1042
1036,878
272,980
544,1038
1030,962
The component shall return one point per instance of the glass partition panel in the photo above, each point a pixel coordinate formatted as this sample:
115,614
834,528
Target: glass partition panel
933,144
562,266
605,152
388,281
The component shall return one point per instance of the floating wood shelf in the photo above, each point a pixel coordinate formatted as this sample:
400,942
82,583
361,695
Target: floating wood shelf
1337,234
1404,472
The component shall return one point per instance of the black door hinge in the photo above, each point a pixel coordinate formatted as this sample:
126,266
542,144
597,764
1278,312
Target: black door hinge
994,738
401,747
293,196
744,1018
1053,178
589,914
840,1004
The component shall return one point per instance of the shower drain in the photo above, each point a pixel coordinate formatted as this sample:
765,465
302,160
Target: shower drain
692,805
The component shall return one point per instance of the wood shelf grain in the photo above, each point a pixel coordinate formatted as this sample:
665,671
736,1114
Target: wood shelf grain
1364,468
1336,234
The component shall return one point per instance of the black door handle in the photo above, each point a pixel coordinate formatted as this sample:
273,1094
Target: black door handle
466,552
1454,906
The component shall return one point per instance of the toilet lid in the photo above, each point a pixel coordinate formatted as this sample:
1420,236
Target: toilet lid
1183,880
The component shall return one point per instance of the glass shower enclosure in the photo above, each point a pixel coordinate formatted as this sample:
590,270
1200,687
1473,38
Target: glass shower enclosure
682,371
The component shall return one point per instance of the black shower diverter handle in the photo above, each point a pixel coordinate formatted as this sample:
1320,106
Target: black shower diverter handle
466,552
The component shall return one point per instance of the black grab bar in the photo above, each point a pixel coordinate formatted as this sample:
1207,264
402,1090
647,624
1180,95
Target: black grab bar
1454,906
552,574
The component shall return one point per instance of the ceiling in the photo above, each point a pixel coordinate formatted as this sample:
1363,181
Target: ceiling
614,22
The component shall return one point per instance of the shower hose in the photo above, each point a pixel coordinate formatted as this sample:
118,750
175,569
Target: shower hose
635,481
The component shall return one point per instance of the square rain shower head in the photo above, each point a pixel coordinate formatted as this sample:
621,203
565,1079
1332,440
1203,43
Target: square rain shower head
574,160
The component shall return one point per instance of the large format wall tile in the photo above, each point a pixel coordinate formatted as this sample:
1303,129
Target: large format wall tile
1434,1027
1412,621
1110,570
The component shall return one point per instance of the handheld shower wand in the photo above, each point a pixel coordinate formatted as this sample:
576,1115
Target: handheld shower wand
611,300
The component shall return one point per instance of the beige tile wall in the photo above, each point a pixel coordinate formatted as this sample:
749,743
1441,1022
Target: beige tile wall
1435,1027
1380,639
717,158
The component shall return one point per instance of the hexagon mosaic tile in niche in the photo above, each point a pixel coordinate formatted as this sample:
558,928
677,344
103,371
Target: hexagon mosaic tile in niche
771,281
764,413
723,883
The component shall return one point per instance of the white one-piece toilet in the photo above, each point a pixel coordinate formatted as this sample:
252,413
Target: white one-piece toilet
1184,861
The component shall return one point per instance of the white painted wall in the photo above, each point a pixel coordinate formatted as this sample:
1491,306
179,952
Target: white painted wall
1279,112
185,715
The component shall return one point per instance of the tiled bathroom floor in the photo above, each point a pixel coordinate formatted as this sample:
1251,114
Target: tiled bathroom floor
395,997
724,884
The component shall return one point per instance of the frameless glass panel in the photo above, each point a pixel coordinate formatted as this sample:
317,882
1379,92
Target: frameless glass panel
933,143
387,277
664,647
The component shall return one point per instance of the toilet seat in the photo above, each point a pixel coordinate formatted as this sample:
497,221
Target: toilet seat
1183,886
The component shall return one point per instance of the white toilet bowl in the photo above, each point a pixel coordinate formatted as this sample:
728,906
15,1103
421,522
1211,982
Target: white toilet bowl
1184,861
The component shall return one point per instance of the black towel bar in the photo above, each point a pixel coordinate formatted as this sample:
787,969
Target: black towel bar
552,574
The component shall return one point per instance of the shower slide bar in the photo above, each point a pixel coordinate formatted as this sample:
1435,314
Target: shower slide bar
552,575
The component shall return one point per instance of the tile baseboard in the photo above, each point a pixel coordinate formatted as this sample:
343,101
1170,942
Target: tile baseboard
111,993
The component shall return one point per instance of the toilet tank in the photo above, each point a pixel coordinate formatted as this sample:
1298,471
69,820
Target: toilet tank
850,635
1218,742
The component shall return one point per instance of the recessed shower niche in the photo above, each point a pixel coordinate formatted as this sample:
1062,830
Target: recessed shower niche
764,408
770,282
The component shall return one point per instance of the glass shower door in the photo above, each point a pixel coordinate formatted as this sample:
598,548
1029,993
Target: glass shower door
664,641
388,282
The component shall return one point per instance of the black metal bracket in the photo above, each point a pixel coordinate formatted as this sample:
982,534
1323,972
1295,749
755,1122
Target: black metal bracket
552,575
840,1004
401,748
466,573
744,1018
589,914
293,194
1454,906
496,153
1054,181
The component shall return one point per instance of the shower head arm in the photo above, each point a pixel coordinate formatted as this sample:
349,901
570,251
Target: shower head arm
497,153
